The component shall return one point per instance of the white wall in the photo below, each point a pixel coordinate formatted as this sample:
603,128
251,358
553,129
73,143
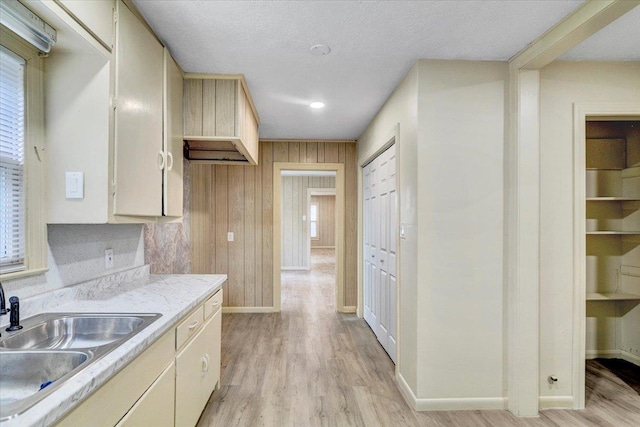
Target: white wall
460,229
563,84
451,139
76,254
401,110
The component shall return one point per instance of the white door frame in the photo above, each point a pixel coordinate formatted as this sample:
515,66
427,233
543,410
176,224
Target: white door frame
338,168
319,192
582,112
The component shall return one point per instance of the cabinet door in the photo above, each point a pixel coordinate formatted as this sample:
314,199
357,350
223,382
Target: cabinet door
212,340
155,407
138,118
172,197
191,365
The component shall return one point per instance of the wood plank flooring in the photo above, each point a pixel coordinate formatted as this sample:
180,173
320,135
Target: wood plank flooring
311,366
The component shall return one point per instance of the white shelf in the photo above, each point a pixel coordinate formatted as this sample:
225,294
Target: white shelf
611,296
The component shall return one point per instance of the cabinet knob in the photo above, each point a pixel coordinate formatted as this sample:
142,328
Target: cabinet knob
160,160
169,160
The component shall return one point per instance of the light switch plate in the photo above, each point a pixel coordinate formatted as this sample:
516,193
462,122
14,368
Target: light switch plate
230,236
74,185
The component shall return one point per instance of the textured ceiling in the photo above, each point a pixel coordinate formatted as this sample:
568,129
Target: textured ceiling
374,43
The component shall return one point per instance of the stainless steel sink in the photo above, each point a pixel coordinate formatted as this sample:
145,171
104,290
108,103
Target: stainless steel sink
53,347
27,376
74,331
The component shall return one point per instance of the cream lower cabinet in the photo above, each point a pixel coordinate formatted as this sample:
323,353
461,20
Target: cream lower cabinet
198,371
162,387
154,408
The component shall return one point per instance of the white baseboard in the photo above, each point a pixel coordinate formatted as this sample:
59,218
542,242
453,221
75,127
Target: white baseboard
631,358
247,309
613,354
556,402
461,404
349,309
602,354
295,268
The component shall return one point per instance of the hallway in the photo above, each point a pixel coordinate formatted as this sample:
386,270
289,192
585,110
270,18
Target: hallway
311,366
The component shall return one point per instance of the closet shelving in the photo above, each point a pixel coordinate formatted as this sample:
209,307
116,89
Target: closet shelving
613,212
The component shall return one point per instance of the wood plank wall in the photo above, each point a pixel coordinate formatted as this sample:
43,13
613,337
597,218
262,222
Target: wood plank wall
295,231
326,221
240,199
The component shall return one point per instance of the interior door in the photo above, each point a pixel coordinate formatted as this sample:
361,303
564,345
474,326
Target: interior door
380,249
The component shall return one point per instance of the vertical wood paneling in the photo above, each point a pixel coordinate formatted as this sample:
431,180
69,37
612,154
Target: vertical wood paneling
240,199
192,107
208,106
312,152
258,232
237,217
320,152
266,164
226,98
331,152
221,218
294,152
249,235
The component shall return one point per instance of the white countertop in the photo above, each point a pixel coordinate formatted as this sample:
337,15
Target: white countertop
173,296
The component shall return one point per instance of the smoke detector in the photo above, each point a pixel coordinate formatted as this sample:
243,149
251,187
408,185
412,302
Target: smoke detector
319,50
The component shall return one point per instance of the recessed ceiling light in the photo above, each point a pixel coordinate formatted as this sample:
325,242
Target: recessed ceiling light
317,105
319,50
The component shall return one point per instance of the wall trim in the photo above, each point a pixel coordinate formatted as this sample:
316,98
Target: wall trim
248,310
323,247
302,268
556,402
449,404
349,309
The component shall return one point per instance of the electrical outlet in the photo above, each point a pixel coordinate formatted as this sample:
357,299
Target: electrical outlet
108,258
230,236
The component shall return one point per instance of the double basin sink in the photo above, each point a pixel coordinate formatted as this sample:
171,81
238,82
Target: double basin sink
52,348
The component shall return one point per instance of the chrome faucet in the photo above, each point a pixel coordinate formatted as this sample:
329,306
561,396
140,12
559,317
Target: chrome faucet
14,318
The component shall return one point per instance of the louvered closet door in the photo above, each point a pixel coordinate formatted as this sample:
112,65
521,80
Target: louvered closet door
380,248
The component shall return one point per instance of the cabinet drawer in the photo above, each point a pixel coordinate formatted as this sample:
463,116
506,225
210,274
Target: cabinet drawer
189,326
213,304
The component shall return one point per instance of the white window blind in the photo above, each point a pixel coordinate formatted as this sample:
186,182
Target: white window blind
12,179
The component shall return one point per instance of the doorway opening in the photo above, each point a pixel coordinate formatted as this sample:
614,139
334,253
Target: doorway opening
308,233
607,251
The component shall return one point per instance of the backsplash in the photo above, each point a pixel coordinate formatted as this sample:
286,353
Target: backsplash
167,246
76,254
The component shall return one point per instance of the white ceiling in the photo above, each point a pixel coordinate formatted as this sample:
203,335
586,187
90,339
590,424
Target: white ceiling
374,43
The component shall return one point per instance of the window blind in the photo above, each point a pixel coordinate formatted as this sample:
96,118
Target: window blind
12,179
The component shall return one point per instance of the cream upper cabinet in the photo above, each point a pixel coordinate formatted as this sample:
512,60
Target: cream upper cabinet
139,157
172,189
220,120
114,123
96,16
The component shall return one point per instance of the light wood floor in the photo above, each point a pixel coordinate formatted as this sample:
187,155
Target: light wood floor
311,366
